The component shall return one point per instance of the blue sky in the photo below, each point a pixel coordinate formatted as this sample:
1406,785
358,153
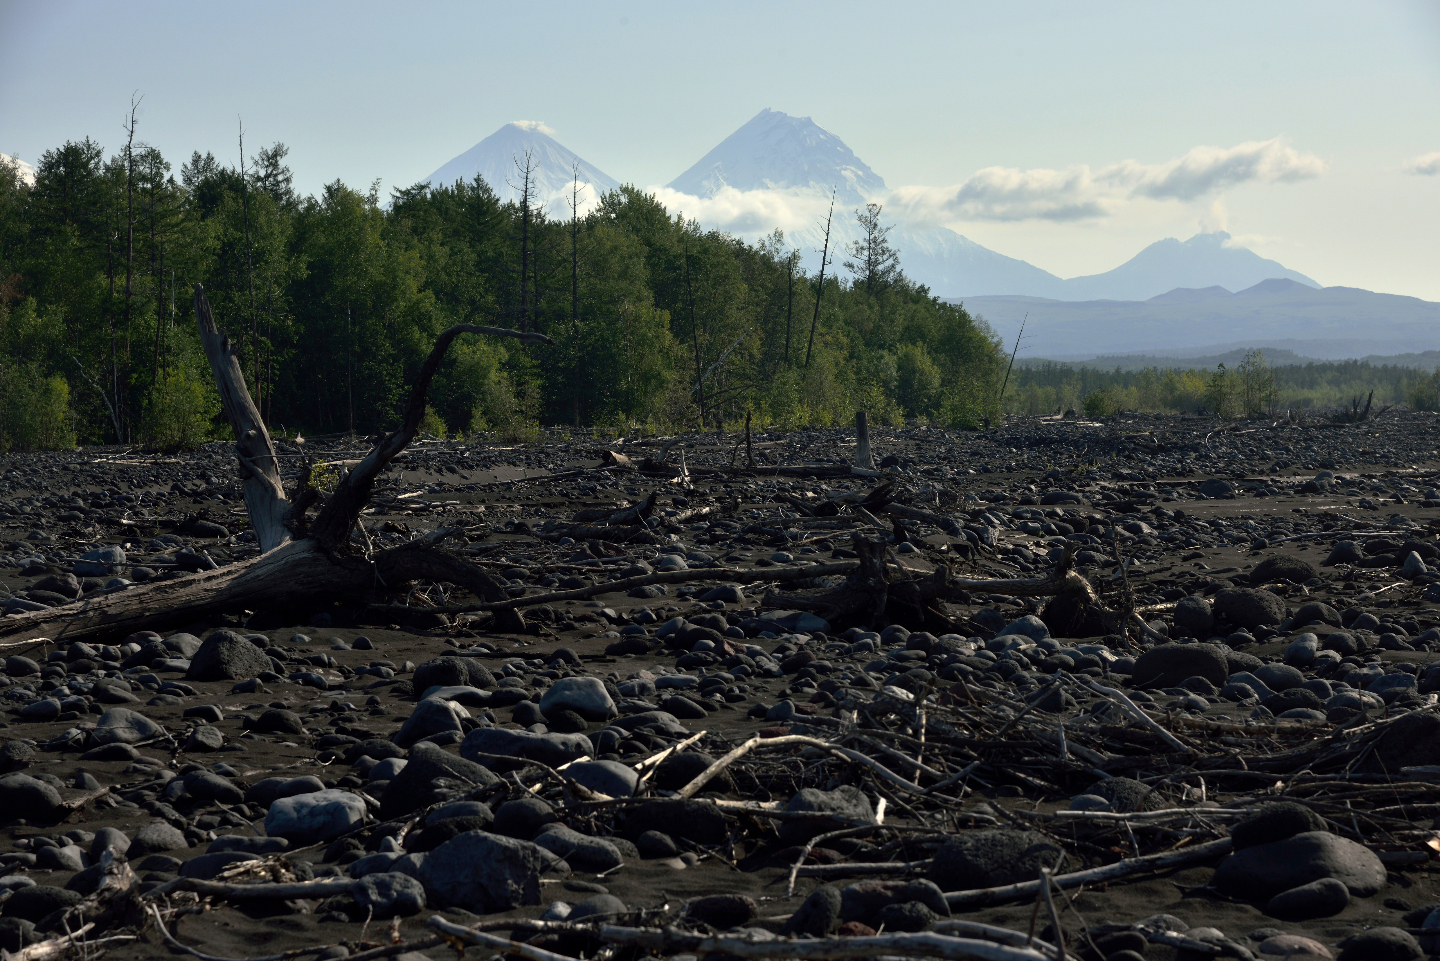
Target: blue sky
942,99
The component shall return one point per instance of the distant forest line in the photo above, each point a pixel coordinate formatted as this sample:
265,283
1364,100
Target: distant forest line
1250,386
658,325
334,301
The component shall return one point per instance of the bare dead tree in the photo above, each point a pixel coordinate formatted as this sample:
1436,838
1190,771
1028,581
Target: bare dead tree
575,291
302,559
820,288
527,189
695,335
253,345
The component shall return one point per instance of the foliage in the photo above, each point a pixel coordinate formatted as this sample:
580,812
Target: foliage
1105,402
333,302
1252,388
180,411
34,409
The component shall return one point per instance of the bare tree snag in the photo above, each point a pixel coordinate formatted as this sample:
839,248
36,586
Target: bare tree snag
265,499
298,565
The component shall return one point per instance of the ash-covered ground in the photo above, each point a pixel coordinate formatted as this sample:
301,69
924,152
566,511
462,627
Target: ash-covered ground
1283,572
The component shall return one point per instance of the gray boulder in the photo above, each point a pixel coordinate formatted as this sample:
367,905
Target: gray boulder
847,804
210,786
1295,570
607,777
1260,872
103,562
1318,899
504,750
863,901
451,671
430,717
22,796
1249,607
579,850
226,656
585,696
1344,552
1275,821
1316,612
126,726
483,872
430,775
389,894
988,858
1169,664
818,915
157,837
315,818
1381,944
1193,617
1126,794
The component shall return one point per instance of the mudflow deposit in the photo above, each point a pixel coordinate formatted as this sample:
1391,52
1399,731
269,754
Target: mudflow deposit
1159,688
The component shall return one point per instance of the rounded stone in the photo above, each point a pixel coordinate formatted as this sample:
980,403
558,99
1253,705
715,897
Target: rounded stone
1318,899
1169,664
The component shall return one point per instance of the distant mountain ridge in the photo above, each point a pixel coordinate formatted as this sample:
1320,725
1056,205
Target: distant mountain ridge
494,159
774,151
1327,322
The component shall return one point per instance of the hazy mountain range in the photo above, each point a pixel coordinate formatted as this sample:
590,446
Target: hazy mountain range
1202,295
1328,323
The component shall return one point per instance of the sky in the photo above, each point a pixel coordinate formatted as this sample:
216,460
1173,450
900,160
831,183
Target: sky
1069,135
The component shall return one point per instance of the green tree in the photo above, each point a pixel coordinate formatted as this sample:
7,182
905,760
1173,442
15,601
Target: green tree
873,262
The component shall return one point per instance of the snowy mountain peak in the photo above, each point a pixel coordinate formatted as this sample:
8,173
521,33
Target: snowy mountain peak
495,158
27,172
775,151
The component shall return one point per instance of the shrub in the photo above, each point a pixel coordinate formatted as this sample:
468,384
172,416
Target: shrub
34,409
1104,402
179,411
432,424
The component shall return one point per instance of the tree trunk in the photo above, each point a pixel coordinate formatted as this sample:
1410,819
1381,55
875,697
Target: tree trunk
299,563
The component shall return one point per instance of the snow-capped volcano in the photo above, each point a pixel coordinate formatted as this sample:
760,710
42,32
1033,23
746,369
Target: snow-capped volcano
778,171
774,151
496,157
27,172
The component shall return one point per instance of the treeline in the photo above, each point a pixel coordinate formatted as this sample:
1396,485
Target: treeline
334,301
1251,388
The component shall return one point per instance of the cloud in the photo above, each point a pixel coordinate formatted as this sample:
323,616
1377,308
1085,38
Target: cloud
1425,165
537,125
1080,193
1206,169
750,211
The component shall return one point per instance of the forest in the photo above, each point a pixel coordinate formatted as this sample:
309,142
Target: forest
334,301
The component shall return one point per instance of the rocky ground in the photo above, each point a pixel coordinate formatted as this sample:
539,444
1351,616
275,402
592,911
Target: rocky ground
1271,730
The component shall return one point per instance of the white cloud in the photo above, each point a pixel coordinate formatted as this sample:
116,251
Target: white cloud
1080,193
1425,165
537,125
793,210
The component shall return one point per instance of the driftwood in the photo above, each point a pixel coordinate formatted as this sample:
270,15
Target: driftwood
301,560
1026,890
923,944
